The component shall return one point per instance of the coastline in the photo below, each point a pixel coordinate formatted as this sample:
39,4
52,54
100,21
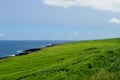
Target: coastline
28,51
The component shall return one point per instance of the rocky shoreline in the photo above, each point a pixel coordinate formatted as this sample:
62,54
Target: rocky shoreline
28,51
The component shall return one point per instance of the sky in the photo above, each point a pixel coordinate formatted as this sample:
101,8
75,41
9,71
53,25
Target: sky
59,19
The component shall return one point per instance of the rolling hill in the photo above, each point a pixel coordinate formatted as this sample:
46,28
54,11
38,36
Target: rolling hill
80,60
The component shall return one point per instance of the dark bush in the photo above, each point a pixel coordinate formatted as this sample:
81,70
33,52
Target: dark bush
92,48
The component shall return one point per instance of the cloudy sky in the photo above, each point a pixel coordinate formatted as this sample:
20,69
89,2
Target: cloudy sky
59,19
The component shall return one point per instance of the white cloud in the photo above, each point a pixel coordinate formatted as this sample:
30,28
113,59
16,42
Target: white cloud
77,34
106,5
91,33
2,35
114,21
109,34
59,3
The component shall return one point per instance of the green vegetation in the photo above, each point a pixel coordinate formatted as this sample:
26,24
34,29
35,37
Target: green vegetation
85,60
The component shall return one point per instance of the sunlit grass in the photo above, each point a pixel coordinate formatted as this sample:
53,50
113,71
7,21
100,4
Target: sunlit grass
87,60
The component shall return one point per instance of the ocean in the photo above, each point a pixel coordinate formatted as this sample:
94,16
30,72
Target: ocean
8,48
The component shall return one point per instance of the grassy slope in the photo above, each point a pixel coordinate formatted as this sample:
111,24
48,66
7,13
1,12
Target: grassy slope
88,60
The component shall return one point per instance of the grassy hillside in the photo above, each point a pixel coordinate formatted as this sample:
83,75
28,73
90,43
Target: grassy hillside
86,60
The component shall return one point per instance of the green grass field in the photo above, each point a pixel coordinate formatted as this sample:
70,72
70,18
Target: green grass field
85,60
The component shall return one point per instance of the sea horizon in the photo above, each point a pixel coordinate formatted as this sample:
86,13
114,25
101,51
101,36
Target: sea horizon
11,47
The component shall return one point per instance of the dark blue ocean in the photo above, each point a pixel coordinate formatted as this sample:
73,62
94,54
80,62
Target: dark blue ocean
14,47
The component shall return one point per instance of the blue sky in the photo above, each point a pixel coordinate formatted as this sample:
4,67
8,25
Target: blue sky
45,20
